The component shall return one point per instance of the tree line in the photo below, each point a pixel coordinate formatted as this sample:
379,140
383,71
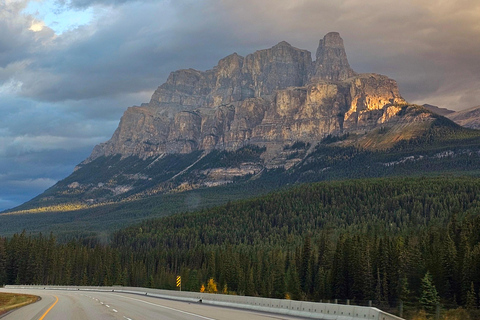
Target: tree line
416,240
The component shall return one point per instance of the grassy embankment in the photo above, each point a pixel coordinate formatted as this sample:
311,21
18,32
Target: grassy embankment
10,301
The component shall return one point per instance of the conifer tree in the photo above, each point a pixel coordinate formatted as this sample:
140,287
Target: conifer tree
293,283
429,296
305,273
250,285
3,263
471,298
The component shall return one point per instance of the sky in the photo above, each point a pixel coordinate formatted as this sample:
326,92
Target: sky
70,68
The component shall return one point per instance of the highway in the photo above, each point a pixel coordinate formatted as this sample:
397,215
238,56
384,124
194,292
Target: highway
81,305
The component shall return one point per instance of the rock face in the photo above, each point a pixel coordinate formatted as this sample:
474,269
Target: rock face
331,60
270,98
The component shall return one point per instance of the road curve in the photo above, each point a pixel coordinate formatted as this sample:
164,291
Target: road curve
81,305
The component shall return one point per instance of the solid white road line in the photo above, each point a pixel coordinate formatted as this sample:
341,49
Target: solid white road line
168,308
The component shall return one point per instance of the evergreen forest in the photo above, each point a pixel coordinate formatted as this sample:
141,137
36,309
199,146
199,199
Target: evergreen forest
387,240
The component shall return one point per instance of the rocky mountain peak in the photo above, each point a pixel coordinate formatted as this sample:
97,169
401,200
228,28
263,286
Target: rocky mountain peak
272,109
270,98
333,40
282,44
331,59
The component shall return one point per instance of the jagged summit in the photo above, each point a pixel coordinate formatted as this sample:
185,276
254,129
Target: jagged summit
283,44
331,59
268,98
332,40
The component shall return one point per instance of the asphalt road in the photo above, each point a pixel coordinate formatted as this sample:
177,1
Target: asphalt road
81,305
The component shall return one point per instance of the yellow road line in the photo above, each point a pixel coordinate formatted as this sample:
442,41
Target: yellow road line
51,307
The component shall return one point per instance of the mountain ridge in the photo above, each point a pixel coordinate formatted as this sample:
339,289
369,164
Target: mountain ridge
269,98
469,118
269,116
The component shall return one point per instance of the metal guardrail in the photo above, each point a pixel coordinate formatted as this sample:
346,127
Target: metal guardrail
312,310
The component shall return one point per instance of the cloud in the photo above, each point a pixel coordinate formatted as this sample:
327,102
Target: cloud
145,40
40,183
88,3
27,174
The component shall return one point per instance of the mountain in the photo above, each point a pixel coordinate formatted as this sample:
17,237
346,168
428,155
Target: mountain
469,118
269,98
249,125
441,111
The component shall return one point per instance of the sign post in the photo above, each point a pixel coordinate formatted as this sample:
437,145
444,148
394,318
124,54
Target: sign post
179,283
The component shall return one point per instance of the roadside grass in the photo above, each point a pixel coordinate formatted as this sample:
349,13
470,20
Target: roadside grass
9,301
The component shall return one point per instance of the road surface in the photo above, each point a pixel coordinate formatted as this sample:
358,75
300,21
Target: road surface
81,305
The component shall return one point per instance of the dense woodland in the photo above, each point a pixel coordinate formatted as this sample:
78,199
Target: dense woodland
386,240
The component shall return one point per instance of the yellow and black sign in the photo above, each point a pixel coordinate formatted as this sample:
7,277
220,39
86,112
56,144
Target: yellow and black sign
179,281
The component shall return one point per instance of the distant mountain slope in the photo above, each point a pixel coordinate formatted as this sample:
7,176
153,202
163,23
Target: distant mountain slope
441,111
469,118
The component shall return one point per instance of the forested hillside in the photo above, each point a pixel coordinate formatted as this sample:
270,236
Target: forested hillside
381,240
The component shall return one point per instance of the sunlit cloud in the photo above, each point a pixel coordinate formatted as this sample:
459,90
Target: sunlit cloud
37,26
57,16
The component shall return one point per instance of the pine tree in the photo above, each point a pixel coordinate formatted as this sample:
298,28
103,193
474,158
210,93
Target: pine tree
278,275
250,285
429,296
403,290
449,260
305,273
471,298
3,262
293,283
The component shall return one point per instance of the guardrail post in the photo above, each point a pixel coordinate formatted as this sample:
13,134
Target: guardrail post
335,301
369,303
400,309
348,302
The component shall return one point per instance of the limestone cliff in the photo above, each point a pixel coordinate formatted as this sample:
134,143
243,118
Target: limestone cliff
270,98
